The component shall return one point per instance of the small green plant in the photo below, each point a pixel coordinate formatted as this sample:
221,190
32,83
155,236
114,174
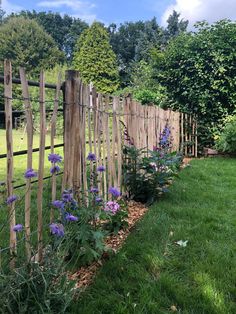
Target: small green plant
37,288
226,141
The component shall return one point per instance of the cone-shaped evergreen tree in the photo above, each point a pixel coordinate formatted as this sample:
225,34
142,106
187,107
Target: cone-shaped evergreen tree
95,59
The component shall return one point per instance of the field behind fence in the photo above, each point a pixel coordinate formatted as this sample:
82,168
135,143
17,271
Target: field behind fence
93,123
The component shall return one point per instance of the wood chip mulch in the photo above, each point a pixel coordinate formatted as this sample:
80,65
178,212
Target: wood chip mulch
84,276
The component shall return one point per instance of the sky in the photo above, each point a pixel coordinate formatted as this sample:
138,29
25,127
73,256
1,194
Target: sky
119,11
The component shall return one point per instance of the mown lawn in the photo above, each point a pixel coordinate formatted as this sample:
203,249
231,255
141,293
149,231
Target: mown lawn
152,273
20,162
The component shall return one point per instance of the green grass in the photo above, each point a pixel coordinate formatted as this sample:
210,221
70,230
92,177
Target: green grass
151,273
20,162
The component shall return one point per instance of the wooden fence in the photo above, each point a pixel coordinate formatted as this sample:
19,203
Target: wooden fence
93,123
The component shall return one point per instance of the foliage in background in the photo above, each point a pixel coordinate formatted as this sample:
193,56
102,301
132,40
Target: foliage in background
95,59
26,44
65,30
226,140
198,71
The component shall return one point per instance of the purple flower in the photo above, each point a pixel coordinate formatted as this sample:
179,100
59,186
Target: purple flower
11,199
112,207
57,229
58,204
101,168
30,173
54,158
114,191
91,157
94,190
70,217
67,196
98,199
17,228
54,169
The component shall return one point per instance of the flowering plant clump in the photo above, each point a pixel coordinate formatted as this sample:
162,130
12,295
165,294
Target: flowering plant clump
147,173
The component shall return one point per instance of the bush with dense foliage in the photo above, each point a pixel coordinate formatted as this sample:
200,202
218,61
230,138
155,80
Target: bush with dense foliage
226,140
198,71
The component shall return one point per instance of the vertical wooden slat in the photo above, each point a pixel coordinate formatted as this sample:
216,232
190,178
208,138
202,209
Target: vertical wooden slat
29,127
41,165
104,149
77,160
108,142
53,134
119,145
9,140
114,132
85,105
67,127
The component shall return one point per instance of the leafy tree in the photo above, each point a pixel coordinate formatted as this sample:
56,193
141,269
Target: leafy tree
132,42
65,30
198,70
26,44
175,26
95,59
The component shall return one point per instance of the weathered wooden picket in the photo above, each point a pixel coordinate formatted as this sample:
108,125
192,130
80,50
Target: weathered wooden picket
93,123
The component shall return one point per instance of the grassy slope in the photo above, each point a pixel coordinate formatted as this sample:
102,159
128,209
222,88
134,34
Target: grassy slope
151,273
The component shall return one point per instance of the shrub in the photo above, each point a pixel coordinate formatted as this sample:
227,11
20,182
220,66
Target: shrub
226,141
147,173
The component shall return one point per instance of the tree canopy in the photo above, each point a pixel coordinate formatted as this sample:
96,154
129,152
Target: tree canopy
95,59
65,29
26,44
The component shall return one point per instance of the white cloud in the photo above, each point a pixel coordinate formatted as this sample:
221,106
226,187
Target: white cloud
9,7
198,10
79,9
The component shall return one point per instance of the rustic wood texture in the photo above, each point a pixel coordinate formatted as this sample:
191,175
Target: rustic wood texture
29,129
53,134
41,165
10,167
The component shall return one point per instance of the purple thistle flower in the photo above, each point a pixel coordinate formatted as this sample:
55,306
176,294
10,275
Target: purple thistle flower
91,157
11,199
98,199
70,217
54,169
112,207
57,229
114,191
17,228
58,204
54,158
101,168
30,173
94,190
